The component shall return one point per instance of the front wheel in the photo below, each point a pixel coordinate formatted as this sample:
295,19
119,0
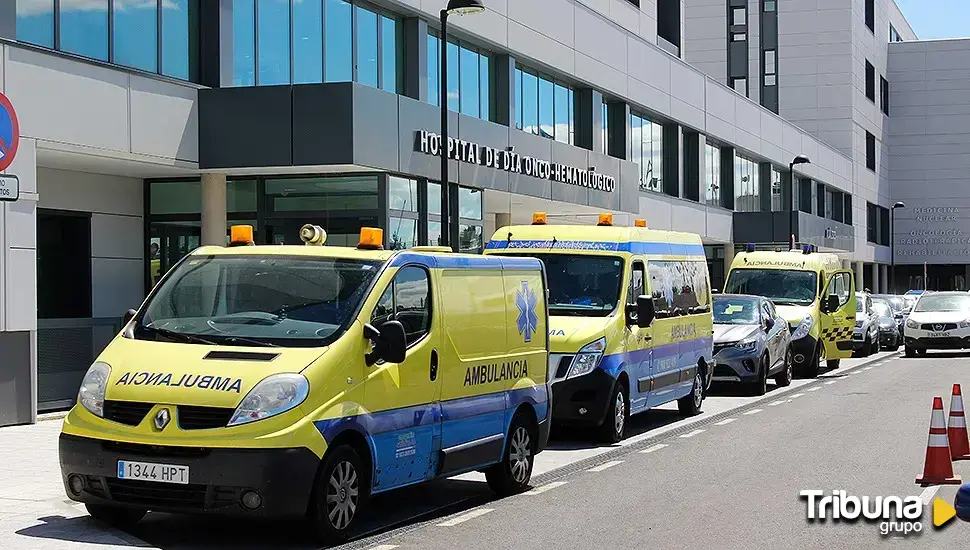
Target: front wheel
339,496
833,363
614,425
910,352
690,404
866,347
116,516
783,378
512,475
760,387
812,368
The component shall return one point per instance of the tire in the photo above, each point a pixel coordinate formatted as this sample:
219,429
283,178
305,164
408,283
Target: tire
921,352
617,415
512,475
783,378
812,369
116,516
339,496
690,404
761,386
833,363
866,347
910,352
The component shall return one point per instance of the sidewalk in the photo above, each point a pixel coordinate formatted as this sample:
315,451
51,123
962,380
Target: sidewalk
34,511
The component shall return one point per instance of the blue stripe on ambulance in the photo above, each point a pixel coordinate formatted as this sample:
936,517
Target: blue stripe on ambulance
405,442
642,248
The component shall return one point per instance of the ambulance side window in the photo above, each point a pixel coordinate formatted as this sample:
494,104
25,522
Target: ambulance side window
635,290
408,300
840,287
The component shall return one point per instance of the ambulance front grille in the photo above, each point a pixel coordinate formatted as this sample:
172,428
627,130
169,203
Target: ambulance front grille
147,493
128,413
203,418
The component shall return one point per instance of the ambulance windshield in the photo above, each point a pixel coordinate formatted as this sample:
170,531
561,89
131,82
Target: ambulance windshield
257,300
784,287
582,285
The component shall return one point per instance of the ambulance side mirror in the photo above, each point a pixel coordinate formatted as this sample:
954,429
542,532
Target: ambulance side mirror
128,316
645,311
390,343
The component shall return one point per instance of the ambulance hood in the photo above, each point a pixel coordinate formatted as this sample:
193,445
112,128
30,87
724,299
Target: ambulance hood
793,314
190,374
568,333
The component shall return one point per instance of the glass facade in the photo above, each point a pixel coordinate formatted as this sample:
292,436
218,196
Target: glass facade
712,174
156,36
470,78
646,140
544,107
302,42
470,216
777,197
746,185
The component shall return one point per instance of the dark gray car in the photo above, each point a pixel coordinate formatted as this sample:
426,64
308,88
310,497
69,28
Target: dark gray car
752,342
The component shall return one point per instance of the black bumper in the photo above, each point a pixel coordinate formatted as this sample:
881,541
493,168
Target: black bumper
888,336
803,351
938,343
590,393
283,478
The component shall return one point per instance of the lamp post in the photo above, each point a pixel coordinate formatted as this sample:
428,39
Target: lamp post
892,245
460,7
800,159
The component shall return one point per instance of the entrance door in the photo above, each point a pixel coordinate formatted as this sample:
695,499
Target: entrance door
63,265
837,325
170,243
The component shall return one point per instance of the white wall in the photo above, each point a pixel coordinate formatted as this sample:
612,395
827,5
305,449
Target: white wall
117,232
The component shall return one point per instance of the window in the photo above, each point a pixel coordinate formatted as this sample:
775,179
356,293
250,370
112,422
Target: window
769,6
776,191
841,286
871,15
739,16
606,128
829,202
679,288
712,174
82,28
738,37
646,138
870,151
771,78
872,220
740,86
408,300
746,185
894,34
469,78
847,204
290,42
883,226
544,107
636,288
470,215
870,82
884,95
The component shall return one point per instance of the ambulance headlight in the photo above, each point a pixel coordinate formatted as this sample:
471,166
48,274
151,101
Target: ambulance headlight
274,395
93,385
587,359
803,328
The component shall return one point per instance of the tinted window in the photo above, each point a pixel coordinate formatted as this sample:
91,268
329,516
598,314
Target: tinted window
735,311
35,22
244,43
84,28
454,87
389,49
530,103
783,287
339,45
179,38
273,38
470,82
307,42
366,47
678,287
136,35
408,300
584,286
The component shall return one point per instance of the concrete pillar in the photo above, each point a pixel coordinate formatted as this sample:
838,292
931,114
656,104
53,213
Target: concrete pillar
877,279
213,209
884,279
859,269
728,257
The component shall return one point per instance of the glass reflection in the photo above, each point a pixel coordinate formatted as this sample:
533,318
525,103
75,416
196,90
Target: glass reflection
389,59
562,109
546,103
402,194
648,152
84,28
136,34
35,22
403,233
470,239
469,203
179,44
307,42
485,86
518,99
339,41
434,71
712,173
366,47
530,103
434,233
273,39
244,43
453,76
470,75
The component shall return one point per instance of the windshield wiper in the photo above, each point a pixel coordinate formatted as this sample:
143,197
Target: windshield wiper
288,308
241,339
178,336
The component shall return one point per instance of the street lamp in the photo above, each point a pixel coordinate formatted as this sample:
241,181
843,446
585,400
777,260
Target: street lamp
800,159
459,7
892,245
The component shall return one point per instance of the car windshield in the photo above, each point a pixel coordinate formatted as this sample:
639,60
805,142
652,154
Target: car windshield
257,300
894,302
781,286
580,285
943,302
735,311
860,303
882,309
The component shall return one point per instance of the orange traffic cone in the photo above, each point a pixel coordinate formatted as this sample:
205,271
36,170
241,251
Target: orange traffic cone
938,469
956,428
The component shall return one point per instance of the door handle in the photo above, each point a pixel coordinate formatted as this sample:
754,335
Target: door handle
434,365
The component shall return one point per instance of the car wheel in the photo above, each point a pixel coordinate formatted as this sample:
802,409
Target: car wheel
116,516
760,387
512,475
921,352
784,377
910,352
340,495
690,404
833,363
866,350
614,425
811,368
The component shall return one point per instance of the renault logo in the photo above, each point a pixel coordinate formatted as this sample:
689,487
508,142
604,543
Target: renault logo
162,418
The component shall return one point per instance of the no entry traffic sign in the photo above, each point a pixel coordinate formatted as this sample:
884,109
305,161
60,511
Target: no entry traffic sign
9,133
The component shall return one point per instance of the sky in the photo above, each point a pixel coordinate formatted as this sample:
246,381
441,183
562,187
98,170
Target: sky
937,18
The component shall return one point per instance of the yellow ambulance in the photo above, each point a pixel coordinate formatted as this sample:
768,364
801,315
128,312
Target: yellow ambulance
811,291
297,381
630,324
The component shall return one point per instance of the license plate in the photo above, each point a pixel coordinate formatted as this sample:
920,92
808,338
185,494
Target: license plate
939,335
149,471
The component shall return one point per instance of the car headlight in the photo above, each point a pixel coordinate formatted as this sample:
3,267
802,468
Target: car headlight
587,359
273,395
912,324
747,345
93,386
803,328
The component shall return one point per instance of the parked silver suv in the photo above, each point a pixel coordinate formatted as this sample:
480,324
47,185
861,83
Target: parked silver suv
865,337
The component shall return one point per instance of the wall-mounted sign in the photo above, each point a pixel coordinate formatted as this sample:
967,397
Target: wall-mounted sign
9,188
9,133
465,151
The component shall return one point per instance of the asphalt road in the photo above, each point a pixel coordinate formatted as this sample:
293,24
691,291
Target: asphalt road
728,478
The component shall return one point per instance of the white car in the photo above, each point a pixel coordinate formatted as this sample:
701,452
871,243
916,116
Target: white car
939,320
